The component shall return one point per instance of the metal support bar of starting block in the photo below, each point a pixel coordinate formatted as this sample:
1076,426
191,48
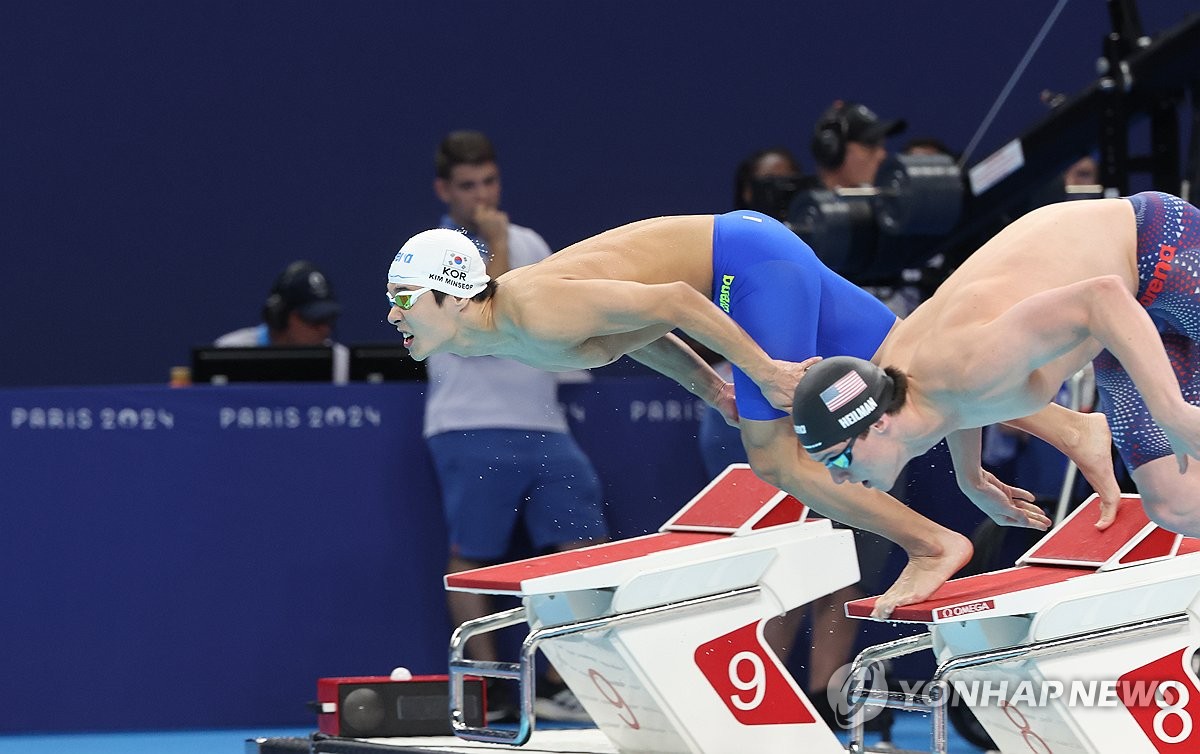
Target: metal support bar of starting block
858,695
522,670
935,699
461,667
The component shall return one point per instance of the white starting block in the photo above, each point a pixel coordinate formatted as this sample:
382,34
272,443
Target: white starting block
661,637
1084,647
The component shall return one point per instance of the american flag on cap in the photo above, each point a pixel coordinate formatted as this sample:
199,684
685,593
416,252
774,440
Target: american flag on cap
843,391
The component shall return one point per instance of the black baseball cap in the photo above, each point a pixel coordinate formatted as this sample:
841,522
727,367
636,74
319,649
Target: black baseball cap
839,398
863,125
304,289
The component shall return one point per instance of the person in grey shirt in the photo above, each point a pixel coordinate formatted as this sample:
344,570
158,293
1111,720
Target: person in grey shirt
495,428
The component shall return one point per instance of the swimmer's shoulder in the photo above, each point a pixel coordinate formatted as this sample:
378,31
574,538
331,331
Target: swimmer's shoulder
641,231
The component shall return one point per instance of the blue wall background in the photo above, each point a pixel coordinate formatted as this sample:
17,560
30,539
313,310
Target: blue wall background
198,558
161,162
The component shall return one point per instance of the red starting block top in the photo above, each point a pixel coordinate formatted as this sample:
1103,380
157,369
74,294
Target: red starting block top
735,503
1072,549
972,594
1131,539
508,577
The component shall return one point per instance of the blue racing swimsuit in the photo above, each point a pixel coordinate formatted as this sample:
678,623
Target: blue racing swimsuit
791,304
1168,258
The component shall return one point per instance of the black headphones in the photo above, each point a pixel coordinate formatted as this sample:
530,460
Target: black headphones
275,312
829,139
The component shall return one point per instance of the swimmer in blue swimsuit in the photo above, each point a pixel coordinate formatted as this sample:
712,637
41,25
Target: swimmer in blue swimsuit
773,285
625,291
1115,280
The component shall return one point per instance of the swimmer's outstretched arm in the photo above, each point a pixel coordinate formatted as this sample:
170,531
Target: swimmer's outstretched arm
935,552
1006,505
1052,323
670,356
588,308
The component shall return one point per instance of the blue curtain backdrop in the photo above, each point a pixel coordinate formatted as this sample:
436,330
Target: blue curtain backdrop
161,162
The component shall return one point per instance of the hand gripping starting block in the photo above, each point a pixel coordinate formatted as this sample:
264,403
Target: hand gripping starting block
1083,647
661,637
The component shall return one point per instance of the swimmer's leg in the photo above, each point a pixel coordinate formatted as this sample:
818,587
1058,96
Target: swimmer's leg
1171,499
1086,440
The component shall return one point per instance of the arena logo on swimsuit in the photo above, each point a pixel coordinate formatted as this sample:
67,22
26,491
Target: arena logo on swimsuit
1166,254
726,282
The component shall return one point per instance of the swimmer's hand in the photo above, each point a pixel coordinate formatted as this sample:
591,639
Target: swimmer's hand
1005,504
491,223
781,387
726,403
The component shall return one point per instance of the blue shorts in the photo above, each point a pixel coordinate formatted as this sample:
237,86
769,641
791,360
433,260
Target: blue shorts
791,304
493,478
1168,255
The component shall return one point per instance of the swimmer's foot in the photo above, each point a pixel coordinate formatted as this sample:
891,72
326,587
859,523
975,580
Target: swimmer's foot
1086,440
925,574
1091,450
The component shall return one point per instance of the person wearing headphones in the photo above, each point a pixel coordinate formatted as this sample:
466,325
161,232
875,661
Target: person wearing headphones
848,144
299,311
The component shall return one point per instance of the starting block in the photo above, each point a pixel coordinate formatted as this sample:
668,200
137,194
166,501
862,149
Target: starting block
1085,646
661,637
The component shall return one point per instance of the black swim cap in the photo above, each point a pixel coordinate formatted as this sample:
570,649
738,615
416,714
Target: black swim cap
839,398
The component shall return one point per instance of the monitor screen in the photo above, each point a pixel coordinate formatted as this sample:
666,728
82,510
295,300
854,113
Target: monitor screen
383,362
262,364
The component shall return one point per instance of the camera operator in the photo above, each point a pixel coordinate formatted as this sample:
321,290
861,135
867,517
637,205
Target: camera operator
848,145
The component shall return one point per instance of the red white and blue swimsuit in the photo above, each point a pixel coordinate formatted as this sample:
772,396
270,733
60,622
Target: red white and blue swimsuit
1168,255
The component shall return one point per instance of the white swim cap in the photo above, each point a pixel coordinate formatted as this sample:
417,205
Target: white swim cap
442,259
